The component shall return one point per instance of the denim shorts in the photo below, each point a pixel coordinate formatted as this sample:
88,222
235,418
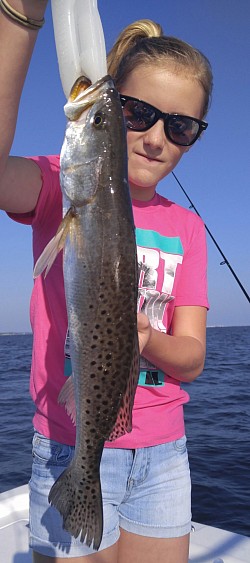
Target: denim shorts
146,491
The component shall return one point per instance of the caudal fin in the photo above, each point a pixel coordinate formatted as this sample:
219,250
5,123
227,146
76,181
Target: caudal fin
80,504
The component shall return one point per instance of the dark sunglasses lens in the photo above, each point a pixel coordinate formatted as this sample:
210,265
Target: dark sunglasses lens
138,115
182,130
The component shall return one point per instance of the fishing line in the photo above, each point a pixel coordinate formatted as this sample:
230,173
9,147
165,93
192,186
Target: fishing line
225,260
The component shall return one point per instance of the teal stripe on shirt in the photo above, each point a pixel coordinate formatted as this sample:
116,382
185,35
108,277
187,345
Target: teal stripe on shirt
151,239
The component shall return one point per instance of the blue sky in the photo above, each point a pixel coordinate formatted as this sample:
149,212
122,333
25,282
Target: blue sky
215,173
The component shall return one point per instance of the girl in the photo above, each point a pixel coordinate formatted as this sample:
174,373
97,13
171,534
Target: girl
165,87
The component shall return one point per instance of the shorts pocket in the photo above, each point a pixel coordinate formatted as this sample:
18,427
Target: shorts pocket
46,452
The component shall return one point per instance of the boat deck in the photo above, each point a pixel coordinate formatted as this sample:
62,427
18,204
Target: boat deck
208,544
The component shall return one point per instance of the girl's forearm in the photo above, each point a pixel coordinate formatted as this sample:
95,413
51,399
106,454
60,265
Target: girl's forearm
181,357
16,47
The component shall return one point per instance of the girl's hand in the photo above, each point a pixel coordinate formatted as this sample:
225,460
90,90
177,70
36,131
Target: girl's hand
144,330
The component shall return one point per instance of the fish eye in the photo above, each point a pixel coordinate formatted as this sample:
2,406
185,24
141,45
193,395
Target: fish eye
99,120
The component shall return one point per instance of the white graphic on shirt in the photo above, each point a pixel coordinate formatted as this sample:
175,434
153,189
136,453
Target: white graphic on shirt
150,300
153,302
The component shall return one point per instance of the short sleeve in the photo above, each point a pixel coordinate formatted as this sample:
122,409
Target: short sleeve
50,193
192,284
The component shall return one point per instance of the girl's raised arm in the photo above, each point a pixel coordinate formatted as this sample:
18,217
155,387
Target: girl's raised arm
20,180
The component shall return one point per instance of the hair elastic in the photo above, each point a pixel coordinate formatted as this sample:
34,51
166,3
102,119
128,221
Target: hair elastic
20,18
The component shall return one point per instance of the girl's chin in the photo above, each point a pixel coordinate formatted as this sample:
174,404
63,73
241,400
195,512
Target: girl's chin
143,178
143,183
146,177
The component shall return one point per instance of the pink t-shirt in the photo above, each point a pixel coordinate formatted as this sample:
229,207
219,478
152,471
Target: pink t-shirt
171,250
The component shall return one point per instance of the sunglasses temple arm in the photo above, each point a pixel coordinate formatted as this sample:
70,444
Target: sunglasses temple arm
225,261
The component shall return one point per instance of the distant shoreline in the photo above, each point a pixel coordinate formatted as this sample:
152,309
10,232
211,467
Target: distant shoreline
31,334
15,333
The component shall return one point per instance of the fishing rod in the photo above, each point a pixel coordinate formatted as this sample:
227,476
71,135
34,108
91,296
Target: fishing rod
225,260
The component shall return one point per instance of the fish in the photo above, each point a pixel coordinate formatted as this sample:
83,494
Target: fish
97,235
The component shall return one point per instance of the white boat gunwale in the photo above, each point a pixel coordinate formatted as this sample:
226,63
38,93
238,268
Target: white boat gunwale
208,544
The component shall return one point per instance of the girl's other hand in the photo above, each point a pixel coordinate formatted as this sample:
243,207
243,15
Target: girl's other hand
144,330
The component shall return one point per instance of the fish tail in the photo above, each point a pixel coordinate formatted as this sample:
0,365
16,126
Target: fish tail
80,504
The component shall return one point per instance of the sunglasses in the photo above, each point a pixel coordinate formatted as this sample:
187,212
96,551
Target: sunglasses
181,130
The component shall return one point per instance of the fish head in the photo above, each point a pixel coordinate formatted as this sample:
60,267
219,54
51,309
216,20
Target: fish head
94,141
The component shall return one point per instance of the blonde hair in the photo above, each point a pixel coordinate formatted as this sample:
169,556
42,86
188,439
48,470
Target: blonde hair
144,43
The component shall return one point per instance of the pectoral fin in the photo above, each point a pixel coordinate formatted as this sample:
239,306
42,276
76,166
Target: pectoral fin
54,246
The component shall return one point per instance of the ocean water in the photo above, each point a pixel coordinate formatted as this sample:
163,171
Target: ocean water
217,425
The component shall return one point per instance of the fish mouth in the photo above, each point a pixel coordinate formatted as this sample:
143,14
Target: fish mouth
84,95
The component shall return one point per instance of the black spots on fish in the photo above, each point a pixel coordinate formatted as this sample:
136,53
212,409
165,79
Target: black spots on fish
113,344
105,402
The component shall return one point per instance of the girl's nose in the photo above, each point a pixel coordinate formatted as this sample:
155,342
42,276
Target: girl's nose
155,136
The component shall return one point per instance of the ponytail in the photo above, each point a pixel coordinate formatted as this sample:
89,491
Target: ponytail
129,39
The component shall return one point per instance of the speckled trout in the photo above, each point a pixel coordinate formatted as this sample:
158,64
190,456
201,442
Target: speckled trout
100,275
